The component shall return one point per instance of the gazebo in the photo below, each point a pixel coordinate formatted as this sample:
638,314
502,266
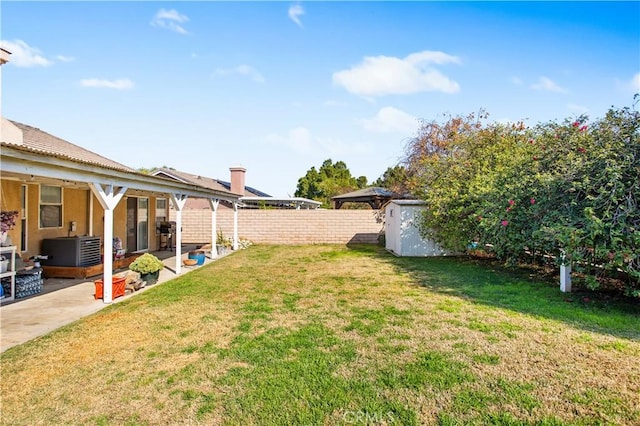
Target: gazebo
375,196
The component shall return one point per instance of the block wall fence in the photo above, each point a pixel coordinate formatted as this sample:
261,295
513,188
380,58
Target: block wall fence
286,226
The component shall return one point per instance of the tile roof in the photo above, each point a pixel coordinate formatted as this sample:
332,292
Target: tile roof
207,182
249,191
191,178
39,141
34,140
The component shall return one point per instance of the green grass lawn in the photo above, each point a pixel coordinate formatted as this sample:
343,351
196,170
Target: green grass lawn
327,334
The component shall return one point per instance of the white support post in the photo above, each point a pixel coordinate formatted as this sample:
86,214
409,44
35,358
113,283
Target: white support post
91,232
565,274
109,199
213,203
178,201
235,225
565,278
107,257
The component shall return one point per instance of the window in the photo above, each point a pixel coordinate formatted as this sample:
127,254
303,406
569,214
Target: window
161,209
50,206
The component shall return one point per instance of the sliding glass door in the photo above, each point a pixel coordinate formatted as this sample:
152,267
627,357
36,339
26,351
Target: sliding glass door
137,224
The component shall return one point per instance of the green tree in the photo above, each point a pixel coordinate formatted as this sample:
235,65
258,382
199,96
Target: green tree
330,180
149,170
309,185
569,190
395,179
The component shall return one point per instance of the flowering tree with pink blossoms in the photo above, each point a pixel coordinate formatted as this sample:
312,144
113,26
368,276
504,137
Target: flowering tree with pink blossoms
566,189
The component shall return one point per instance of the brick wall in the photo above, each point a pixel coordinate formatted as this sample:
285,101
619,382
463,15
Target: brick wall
286,226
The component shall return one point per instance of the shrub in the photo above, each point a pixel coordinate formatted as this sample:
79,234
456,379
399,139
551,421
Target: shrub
146,264
569,190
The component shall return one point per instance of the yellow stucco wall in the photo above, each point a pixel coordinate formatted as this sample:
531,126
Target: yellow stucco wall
120,222
119,219
75,207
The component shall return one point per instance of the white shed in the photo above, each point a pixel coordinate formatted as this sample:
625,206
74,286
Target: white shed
402,235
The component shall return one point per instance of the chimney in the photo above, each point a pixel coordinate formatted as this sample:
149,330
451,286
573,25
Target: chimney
237,180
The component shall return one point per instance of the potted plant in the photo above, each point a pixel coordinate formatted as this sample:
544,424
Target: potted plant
149,267
223,244
198,256
7,223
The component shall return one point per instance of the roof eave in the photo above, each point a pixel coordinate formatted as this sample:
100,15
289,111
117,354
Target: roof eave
26,162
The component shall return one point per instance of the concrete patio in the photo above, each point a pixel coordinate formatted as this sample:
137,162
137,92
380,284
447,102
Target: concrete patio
64,301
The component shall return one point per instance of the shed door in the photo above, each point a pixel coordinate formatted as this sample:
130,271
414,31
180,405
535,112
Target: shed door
391,228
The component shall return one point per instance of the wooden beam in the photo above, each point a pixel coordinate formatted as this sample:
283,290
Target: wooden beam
85,271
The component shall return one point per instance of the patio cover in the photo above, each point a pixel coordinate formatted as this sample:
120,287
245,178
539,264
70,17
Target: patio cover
375,196
30,154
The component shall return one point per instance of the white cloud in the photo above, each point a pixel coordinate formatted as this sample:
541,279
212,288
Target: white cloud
295,12
62,58
298,140
635,83
547,85
390,119
23,55
301,141
579,109
244,70
121,84
170,20
516,80
387,75
428,56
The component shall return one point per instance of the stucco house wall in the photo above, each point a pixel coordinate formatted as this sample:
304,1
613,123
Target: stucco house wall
75,207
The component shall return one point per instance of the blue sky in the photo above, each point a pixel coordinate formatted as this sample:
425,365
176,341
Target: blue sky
278,87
